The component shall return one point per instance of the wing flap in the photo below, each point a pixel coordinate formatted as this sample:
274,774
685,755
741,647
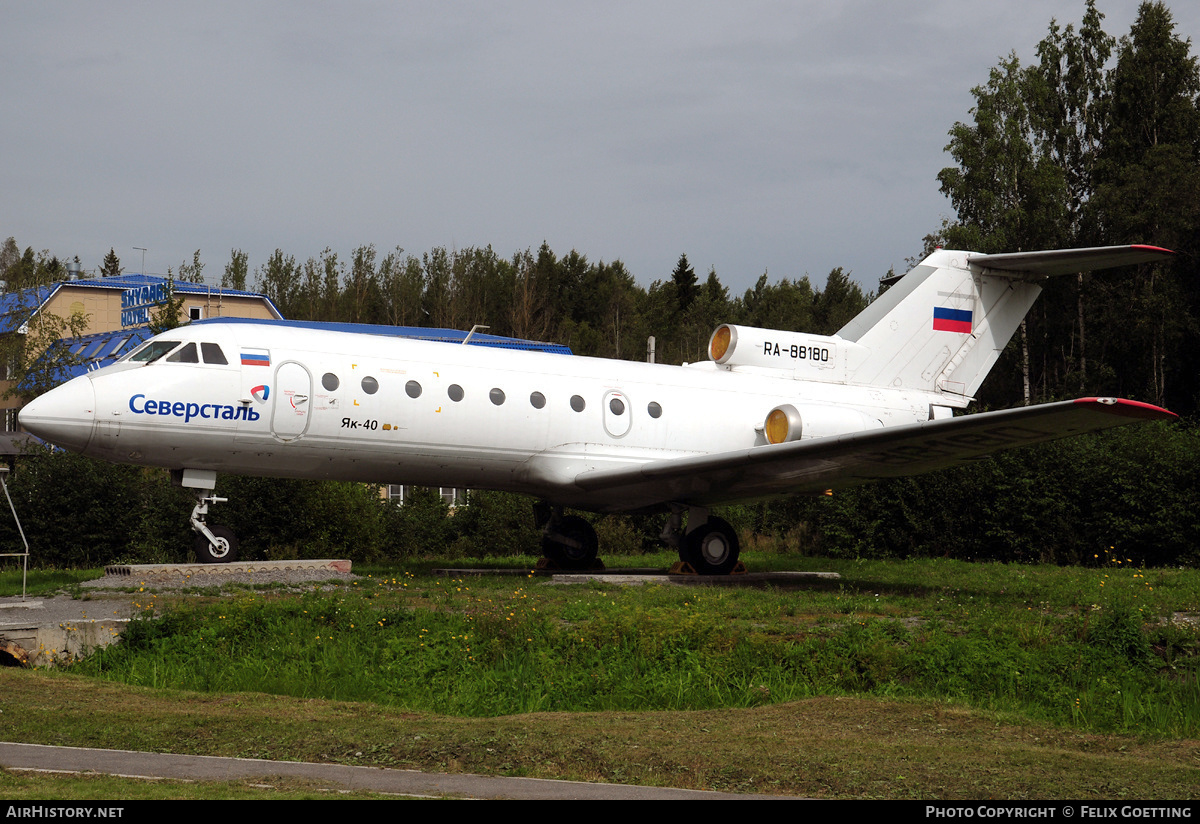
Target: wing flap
848,460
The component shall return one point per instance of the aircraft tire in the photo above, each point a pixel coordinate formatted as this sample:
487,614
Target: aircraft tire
578,531
226,550
712,549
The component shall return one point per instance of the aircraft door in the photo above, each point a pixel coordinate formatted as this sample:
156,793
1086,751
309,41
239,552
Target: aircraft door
618,417
293,401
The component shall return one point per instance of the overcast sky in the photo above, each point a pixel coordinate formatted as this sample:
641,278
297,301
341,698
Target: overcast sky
785,137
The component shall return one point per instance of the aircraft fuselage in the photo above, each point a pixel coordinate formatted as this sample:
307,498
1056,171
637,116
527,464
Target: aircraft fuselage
309,403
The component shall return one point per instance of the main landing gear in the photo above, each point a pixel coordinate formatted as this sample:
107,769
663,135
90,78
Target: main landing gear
568,541
214,544
709,545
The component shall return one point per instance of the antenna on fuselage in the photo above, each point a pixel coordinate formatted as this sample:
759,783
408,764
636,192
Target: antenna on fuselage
477,326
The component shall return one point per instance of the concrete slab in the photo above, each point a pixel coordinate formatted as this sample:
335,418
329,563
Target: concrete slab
636,575
51,630
186,570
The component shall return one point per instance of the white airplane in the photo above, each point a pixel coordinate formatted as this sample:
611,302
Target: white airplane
773,413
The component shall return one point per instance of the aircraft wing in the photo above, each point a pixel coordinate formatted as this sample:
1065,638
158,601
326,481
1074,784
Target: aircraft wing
847,460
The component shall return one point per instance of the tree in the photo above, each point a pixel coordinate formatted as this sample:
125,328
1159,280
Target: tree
401,281
362,289
169,314
112,265
10,256
787,305
236,270
39,350
1023,176
1069,91
1008,195
686,285
837,305
279,280
192,272
1148,191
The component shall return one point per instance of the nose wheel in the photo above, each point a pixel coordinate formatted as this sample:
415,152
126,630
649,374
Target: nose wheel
215,544
221,548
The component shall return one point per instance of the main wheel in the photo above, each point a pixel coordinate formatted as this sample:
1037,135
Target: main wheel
224,551
712,549
573,544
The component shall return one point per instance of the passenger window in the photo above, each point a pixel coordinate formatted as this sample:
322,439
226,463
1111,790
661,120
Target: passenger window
213,354
537,400
370,385
455,392
497,396
186,354
412,389
617,406
330,381
653,409
577,403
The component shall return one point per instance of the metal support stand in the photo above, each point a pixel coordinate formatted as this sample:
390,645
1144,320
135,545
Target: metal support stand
200,512
23,555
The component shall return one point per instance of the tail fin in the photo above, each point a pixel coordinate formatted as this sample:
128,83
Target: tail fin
943,325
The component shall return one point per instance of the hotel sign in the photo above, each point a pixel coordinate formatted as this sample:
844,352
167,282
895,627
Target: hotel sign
136,303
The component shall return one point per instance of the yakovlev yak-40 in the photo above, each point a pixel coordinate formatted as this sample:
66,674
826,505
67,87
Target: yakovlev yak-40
771,414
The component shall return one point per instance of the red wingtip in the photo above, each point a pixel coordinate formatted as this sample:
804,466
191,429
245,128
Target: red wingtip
1130,409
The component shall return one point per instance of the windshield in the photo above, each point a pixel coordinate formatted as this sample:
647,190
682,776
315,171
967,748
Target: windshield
152,351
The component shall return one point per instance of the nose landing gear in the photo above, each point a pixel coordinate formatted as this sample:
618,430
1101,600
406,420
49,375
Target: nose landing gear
215,544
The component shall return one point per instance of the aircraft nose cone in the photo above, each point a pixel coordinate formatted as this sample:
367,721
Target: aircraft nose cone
64,416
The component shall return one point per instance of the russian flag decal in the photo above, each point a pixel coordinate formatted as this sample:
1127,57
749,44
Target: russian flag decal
256,357
950,320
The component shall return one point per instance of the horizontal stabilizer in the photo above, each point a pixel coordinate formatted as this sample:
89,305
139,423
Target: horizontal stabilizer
848,460
1068,261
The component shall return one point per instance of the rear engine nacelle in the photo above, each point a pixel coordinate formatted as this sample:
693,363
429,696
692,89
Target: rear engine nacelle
787,423
815,357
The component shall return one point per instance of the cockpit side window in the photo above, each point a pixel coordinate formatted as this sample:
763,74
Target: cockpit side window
213,354
152,351
185,354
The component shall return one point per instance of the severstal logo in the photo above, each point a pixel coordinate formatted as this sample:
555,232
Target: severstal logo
187,410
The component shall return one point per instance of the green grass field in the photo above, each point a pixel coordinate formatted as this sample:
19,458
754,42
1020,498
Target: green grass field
906,679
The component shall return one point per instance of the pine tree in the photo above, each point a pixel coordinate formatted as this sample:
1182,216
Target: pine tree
686,284
112,265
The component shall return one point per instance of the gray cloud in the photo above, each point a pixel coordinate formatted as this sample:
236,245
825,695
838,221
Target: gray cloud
788,137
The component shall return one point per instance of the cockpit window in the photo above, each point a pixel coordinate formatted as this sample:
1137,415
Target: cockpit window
213,354
185,354
152,351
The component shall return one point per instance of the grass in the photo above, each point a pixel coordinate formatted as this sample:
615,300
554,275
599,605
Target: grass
41,582
915,679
